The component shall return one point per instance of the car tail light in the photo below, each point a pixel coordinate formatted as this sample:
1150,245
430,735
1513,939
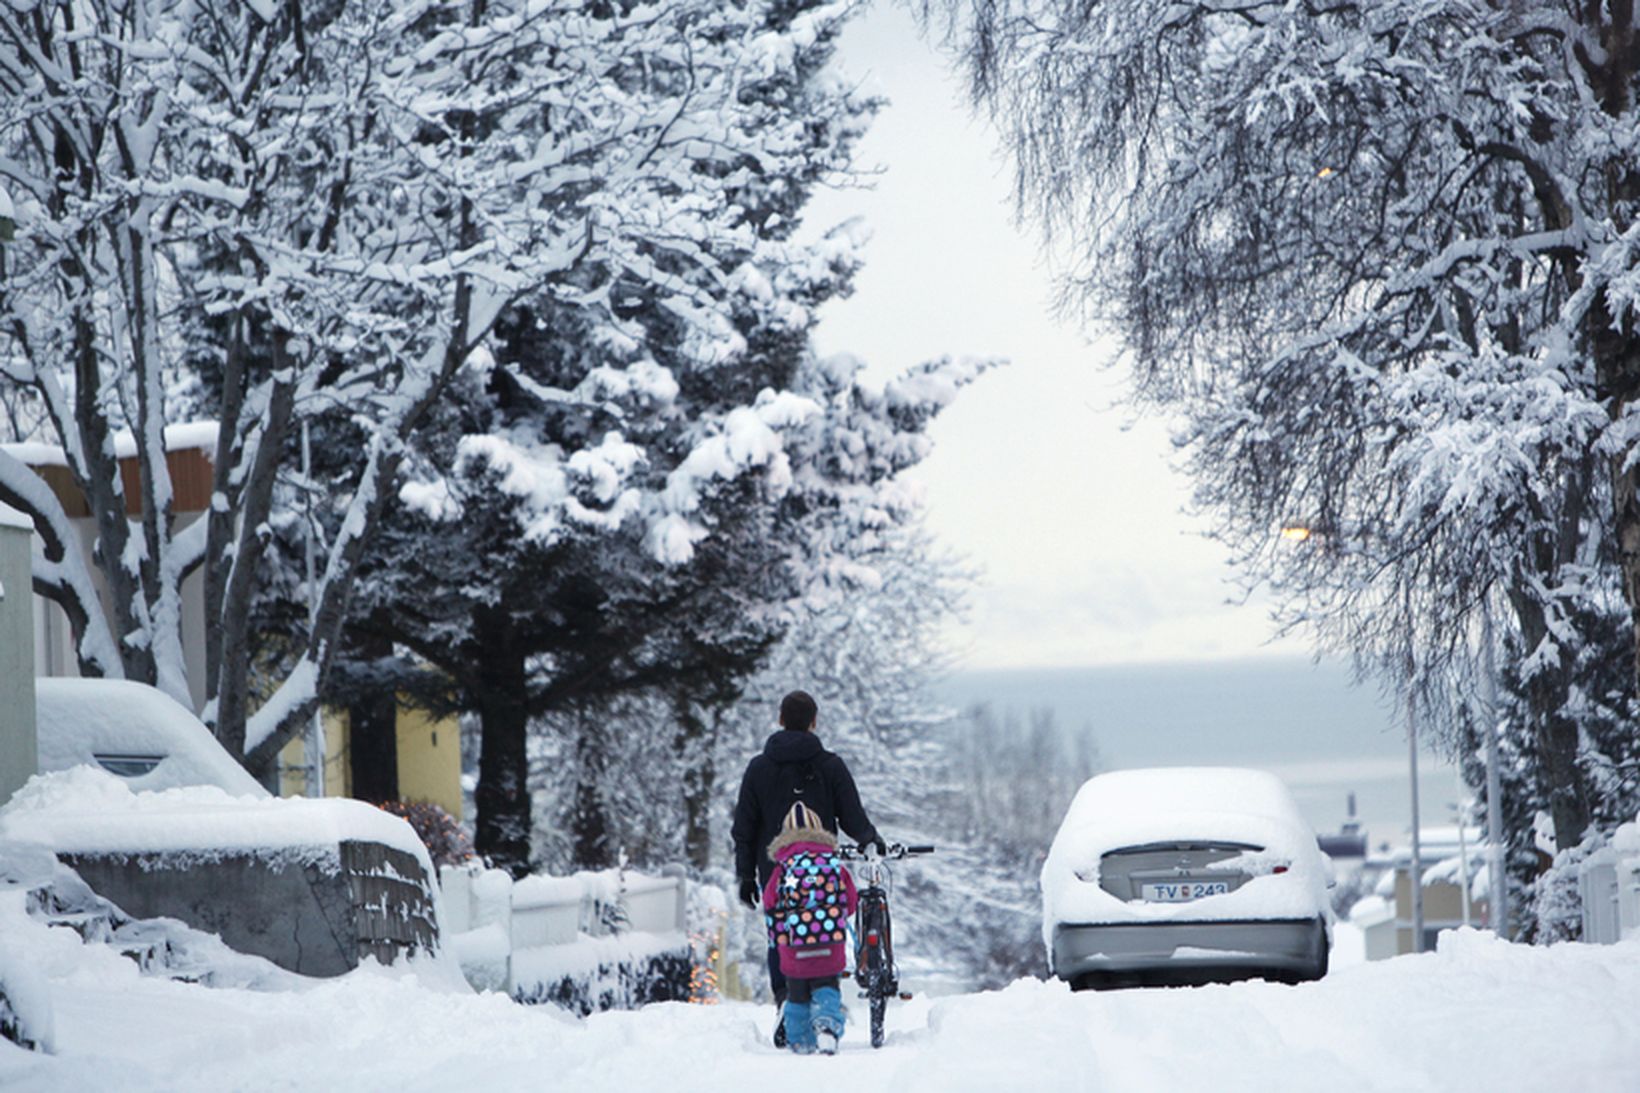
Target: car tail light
1279,869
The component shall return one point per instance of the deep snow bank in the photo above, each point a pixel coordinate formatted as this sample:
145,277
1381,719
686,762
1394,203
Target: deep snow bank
1478,1014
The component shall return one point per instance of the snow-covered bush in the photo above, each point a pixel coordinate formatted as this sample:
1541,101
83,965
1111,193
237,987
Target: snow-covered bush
25,1003
446,841
1556,908
25,996
594,975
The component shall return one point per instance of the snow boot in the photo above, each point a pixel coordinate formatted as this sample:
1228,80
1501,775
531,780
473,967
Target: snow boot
828,1018
799,1027
780,1031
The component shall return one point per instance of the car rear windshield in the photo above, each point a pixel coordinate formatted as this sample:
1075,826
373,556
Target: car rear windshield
1125,871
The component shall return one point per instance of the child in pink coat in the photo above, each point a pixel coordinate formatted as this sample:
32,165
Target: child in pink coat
807,902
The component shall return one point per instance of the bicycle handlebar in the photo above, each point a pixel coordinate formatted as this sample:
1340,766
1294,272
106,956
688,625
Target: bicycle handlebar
895,852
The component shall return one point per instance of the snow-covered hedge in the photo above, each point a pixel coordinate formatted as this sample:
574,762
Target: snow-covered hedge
591,975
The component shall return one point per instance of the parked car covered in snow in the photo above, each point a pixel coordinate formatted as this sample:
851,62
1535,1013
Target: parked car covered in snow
1185,875
135,731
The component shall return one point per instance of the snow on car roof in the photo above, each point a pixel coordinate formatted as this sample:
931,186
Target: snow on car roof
1133,807
1116,798
81,719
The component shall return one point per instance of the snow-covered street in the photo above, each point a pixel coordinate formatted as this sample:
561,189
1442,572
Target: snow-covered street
1478,1014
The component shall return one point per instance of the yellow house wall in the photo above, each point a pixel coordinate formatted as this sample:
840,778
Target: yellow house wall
338,774
430,760
429,752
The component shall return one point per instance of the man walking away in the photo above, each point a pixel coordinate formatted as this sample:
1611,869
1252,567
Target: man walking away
793,768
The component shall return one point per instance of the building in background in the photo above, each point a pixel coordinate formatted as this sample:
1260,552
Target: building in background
428,760
186,448
427,750
1385,917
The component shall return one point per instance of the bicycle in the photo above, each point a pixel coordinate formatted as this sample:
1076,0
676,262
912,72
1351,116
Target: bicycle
874,969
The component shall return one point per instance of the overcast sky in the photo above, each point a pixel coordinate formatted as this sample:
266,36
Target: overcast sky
1075,519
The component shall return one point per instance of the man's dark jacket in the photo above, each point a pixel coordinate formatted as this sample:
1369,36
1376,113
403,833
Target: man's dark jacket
793,767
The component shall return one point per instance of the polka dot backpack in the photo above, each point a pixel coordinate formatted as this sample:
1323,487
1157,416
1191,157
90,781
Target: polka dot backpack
809,914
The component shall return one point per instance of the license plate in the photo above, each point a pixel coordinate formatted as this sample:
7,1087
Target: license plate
1182,891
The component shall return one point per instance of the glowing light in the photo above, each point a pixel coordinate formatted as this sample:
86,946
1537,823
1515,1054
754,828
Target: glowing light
707,950
1296,533
1325,172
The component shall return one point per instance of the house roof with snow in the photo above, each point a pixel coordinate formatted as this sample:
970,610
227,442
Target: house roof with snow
188,448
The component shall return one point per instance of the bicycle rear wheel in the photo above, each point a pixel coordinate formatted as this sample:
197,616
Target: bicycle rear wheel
877,964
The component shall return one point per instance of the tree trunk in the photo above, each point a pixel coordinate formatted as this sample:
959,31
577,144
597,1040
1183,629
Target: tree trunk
589,819
232,692
1555,733
693,744
503,794
373,734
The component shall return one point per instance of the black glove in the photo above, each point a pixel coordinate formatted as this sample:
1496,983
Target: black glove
749,893
876,843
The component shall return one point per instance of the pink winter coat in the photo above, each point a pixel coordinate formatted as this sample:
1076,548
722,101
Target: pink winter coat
808,913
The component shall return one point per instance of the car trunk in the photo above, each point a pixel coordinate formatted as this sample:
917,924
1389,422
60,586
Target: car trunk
1173,871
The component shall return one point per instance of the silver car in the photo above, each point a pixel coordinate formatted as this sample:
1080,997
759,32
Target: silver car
1185,875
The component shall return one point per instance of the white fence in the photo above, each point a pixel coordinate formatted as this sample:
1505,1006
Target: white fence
1610,888
488,918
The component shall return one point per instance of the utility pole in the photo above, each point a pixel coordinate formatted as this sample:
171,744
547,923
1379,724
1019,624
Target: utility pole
1497,883
313,743
1417,877
1462,809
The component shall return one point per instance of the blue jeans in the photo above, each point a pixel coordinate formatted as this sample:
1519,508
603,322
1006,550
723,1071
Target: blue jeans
813,1006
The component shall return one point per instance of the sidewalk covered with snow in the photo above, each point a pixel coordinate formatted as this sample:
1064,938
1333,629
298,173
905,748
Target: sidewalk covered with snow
1478,1014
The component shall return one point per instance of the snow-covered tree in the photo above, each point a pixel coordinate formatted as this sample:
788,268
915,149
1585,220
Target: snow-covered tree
269,215
1602,704
1379,259
633,487
664,787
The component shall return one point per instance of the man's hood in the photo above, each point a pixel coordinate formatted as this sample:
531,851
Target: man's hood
792,746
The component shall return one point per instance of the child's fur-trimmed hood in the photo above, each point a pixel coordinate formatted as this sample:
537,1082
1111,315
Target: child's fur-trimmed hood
820,837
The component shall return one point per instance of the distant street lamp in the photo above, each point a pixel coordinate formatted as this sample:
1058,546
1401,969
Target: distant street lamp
1301,533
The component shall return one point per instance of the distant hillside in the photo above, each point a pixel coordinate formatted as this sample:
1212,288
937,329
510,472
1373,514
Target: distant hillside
1304,721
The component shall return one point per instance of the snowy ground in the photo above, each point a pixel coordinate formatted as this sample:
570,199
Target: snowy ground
1478,1014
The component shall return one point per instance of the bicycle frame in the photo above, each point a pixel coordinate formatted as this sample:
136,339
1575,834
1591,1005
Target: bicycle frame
874,968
